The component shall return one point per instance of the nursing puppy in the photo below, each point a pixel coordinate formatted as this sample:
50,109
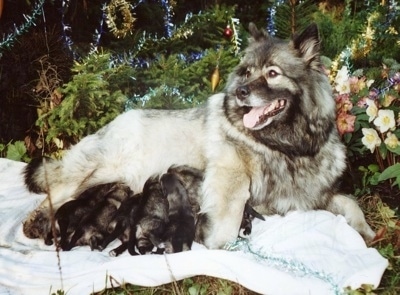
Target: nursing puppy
269,140
180,230
192,179
92,228
185,182
149,224
70,215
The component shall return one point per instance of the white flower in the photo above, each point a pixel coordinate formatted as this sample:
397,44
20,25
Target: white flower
385,120
391,140
343,87
372,109
369,83
342,75
370,139
342,81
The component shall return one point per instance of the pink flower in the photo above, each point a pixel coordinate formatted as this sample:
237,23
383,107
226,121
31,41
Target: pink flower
345,123
354,84
343,103
362,102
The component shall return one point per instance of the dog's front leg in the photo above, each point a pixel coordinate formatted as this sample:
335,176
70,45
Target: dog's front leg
348,207
225,192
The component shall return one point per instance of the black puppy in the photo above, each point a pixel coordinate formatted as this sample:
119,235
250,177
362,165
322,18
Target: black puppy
192,179
93,227
122,223
83,217
180,231
149,225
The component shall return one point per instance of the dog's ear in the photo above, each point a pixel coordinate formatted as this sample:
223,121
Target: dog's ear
308,45
256,34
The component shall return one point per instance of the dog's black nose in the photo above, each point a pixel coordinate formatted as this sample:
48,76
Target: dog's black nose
242,92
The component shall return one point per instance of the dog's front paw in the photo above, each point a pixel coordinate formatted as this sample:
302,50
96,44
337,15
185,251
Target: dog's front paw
38,225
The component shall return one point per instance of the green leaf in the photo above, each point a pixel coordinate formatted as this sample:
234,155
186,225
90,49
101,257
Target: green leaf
383,151
374,180
391,172
16,151
373,168
395,150
194,290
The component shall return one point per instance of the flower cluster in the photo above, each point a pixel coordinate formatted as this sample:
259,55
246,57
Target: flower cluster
368,118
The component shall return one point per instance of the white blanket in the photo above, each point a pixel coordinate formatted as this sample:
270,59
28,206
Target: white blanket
301,253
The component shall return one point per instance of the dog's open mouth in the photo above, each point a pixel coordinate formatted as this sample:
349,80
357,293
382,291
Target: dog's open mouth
259,117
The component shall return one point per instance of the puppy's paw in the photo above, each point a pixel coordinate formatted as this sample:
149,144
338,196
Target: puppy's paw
38,225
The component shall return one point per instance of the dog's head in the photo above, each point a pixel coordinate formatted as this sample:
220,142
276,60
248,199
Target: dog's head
280,86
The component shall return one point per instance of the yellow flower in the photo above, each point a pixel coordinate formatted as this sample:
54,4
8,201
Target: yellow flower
391,140
385,120
370,139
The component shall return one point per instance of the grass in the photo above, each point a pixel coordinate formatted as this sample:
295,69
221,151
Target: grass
199,285
386,223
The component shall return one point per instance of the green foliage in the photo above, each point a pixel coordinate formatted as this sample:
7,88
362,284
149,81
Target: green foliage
177,75
391,172
179,68
173,83
337,30
370,176
93,97
197,33
14,151
368,32
293,16
386,44
367,119
194,288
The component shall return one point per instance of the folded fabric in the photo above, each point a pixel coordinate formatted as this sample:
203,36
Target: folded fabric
312,252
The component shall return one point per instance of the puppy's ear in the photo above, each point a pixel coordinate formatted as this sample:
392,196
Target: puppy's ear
256,34
308,45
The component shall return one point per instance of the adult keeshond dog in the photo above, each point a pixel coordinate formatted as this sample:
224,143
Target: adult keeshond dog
269,140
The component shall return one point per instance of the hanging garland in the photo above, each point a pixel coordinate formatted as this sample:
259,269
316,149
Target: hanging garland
8,41
124,8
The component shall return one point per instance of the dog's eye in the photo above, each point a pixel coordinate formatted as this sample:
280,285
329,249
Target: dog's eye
272,74
248,73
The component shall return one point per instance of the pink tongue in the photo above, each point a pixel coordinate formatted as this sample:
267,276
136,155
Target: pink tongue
251,118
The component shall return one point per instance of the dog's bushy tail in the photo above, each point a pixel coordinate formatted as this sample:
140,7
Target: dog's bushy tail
40,172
